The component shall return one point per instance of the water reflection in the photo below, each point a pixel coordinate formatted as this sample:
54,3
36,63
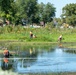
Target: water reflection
41,60
20,59
59,50
22,64
6,64
31,52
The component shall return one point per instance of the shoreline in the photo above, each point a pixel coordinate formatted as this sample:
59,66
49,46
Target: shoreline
35,43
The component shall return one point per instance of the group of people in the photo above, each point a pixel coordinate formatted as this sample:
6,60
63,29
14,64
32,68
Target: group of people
34,36
6,53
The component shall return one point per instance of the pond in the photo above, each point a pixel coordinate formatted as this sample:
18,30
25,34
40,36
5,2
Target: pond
40,60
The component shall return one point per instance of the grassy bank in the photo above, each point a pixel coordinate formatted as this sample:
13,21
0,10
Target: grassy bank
43,34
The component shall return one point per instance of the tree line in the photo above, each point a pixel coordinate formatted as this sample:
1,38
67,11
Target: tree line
30,11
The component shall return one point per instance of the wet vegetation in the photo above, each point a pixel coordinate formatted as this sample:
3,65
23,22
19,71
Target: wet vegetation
24,45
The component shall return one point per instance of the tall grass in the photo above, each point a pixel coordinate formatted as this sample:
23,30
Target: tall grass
44,34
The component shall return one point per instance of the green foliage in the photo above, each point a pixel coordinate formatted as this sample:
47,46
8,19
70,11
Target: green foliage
5,5
69,14
1,30
1,21
45,34
8,10
46,12
30,10
27,9
50,25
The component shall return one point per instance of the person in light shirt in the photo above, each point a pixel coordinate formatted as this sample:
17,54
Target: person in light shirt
60,38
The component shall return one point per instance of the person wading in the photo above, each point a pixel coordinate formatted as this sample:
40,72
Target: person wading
6,53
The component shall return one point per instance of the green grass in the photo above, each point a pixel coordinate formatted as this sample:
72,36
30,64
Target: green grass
19,33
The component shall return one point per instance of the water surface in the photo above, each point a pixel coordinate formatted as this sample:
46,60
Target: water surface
42,60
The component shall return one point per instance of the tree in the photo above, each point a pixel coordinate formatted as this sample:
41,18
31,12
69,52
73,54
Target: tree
46,12
30,10
8,9
69,14
27,9
6,5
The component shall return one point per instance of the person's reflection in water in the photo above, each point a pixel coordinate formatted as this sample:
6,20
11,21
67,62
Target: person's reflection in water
6,65
31,51
5,62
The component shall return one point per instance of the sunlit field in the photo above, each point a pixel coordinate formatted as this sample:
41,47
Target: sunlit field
43,34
